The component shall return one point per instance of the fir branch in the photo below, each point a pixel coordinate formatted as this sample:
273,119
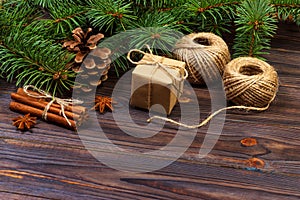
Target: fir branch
51,4
156,5
158,19
16,13
110,14
218,5
58,20
196,7
160,39
288,10
214,15
157,29
151,3
34,60
64,19
255,27
286,3
58,24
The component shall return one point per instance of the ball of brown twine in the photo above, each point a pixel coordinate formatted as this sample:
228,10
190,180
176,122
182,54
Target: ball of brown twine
250,82
205,54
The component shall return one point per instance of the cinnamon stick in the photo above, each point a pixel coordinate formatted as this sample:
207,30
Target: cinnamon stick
56,119
75,109
36,104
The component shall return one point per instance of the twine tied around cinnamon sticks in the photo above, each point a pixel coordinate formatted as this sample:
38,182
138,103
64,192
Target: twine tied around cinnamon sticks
44,95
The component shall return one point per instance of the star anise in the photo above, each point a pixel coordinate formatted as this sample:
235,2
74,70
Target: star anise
83,43
102,102
25,122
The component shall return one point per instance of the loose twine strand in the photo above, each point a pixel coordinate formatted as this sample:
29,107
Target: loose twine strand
243,88
45,95
204,122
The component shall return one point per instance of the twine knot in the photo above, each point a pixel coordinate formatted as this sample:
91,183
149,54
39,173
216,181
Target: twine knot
158,63
44,95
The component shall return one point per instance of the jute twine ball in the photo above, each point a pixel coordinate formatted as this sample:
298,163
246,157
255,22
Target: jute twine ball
205,54
250,82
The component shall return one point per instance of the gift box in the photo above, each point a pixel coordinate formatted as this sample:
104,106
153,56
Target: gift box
157,80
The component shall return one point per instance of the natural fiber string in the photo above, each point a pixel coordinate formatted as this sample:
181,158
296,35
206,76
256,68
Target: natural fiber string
204,122
149,100
249,81
158,65
45,95
204,60
244,79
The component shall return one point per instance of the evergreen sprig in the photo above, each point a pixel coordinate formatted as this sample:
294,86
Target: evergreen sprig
151,3
64,19
16,13
288,10
256,25
160,30
210,15
52,4
155,5
30,59
111,15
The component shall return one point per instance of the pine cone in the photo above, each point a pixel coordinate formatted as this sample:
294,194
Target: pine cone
83,43
93,67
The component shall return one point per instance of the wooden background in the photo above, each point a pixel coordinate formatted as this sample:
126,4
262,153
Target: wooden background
51,162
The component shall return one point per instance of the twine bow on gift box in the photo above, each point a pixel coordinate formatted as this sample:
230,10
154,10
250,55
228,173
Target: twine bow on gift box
158,63
44,95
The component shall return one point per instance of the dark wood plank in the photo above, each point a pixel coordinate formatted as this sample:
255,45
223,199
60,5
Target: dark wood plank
52,163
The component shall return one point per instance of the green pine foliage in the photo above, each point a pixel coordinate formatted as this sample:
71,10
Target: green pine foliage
110,15
159,30
52,4
64,19
16,13
288,10
155,4
210,15
32,31
35,61
256,26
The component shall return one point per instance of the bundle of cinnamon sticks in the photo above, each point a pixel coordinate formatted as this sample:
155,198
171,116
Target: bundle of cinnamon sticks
24,103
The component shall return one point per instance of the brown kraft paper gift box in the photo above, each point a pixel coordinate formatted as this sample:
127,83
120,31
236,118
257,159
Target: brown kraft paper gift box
157,80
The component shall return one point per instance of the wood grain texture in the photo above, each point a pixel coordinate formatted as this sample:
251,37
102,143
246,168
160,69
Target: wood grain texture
52,163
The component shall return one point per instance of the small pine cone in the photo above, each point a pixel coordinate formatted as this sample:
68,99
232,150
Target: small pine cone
86,89
95,83
102,53
89,63
94,69
83,43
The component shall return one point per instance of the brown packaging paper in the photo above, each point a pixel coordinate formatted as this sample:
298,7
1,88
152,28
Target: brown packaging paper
153,84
